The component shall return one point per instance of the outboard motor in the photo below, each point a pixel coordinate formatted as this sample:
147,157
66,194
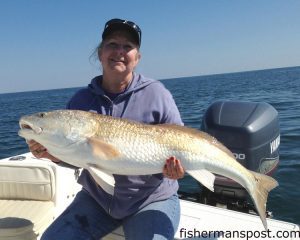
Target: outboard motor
251,131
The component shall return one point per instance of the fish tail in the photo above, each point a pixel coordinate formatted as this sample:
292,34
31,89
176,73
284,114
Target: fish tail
264,184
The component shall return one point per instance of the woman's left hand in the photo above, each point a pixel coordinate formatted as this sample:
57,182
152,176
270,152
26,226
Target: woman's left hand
173,169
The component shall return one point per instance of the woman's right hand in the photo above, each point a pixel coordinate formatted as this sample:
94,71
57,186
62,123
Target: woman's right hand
39,151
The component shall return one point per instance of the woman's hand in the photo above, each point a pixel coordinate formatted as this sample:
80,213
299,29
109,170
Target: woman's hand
40,151
173,169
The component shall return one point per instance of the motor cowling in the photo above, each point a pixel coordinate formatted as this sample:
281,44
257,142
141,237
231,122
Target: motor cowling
251,131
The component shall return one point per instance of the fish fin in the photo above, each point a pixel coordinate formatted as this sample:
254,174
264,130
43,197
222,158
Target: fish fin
264,184
103,179
102,149
203,176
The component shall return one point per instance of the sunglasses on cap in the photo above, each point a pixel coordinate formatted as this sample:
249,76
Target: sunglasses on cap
131,25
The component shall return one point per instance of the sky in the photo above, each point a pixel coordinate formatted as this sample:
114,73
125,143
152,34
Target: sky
48,44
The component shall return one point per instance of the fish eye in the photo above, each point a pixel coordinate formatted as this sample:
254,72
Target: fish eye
42,115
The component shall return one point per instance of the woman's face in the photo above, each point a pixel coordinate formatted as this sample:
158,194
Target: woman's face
119,54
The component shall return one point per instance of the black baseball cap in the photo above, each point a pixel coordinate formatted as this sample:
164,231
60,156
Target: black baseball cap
120,24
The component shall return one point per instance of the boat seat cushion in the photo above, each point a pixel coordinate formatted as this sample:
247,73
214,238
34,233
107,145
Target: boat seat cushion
26,181
15,215
27,194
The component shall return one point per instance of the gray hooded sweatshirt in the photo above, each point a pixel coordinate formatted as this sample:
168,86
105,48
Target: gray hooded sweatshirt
147,101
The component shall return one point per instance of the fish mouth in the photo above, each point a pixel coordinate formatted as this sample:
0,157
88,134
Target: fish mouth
26,127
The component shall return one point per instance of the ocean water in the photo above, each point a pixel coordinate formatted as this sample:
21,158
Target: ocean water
278,87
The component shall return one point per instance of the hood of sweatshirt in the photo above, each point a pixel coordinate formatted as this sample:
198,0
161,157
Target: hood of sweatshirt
138,82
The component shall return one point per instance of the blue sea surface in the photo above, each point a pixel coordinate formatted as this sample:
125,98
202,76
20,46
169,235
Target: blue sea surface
278,87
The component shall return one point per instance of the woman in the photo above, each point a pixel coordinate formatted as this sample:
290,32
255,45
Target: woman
146,206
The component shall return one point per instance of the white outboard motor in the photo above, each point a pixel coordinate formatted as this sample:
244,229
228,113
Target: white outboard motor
251,131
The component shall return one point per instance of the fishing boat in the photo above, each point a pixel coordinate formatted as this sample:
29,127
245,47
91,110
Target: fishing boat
33,192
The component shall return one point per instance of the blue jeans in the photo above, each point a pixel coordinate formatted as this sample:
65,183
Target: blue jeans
85,219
